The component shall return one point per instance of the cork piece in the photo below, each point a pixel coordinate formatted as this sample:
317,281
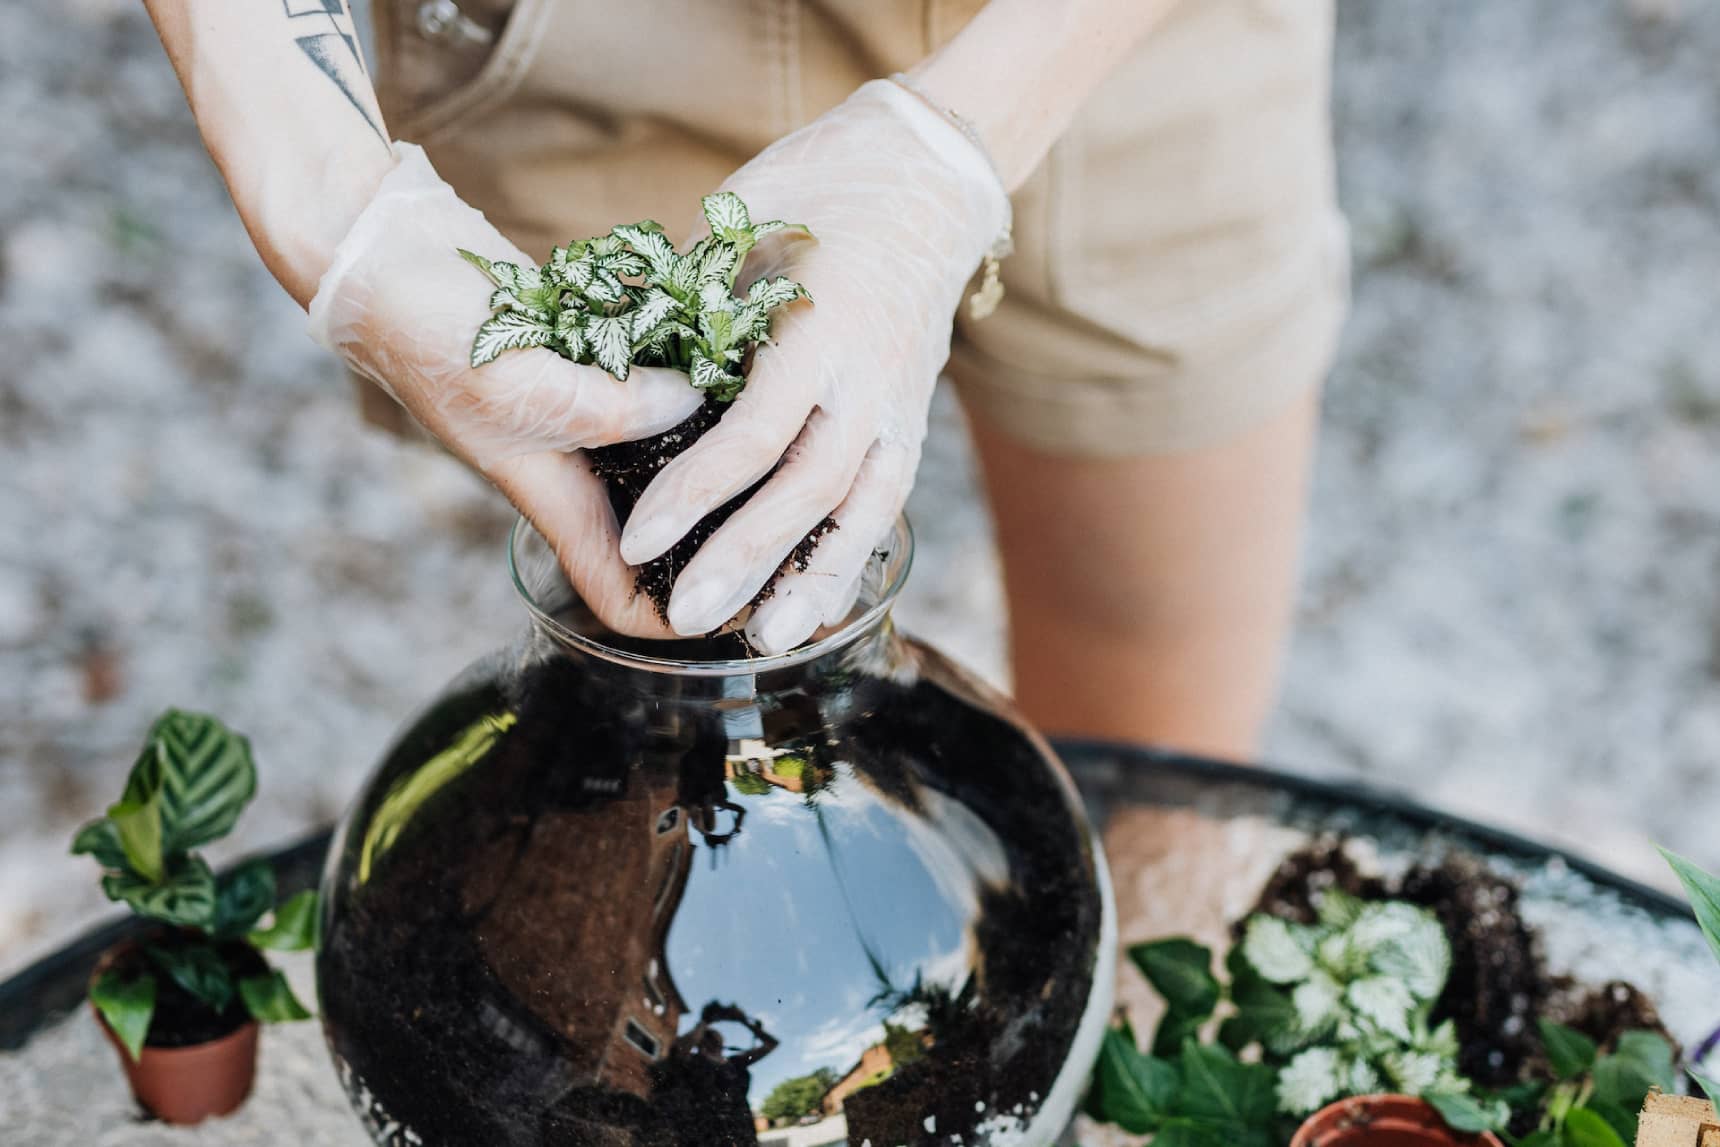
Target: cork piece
1677,1121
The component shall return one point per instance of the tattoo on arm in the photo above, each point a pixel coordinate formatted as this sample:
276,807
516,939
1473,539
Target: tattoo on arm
323,31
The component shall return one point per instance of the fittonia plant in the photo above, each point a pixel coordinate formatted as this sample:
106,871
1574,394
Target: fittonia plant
1361,983
629,298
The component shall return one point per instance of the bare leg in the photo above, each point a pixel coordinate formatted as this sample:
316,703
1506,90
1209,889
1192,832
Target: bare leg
1150,598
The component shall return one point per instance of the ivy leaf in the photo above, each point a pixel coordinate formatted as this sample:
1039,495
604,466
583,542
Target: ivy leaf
1264,1014
1135,1091
1276,951
510,330
610,340
1216,1086
294,928
270,999
1583,1128
242,896
1181,971
100,839
1569,1051
203,773
1642,1061
200,970
1704,892
184,896
1468,1114
127,1006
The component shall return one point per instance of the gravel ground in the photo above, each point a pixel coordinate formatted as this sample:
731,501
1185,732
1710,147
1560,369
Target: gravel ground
1511,606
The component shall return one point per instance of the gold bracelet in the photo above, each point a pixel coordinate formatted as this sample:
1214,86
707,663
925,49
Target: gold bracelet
990,293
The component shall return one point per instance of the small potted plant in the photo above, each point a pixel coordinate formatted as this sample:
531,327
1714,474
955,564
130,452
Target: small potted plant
182,998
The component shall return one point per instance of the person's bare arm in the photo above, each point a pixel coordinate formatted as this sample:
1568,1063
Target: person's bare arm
1021,69
285,105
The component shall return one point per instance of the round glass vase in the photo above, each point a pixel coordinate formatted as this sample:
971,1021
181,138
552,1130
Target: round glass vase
619,892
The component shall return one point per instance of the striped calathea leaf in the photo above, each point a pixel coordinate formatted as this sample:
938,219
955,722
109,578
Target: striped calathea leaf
629,298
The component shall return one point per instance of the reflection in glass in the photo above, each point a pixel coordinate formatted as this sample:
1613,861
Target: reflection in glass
831,898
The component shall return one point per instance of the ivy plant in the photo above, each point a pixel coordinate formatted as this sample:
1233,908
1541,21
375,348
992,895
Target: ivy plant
186,790
1595,1098
629,298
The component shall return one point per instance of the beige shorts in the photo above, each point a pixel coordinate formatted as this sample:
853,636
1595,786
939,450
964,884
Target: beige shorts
1180,270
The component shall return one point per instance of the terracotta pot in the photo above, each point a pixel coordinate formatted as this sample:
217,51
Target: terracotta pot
187,1085
1384,1121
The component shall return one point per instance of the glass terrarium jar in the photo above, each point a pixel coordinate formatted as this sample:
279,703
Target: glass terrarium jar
615,892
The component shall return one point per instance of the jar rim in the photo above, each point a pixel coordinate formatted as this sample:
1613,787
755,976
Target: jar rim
898,559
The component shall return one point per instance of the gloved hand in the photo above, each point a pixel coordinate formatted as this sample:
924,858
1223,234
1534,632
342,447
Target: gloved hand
903,206
400,305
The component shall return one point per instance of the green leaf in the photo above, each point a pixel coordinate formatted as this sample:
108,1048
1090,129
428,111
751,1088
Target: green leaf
1466,1113
1620,1120
204,774
270,999
1583,1128
1264,1014
1704,892
1135,1090
199,969
137,823
242,896
1570,1052
186,896
294,926
1409,945
127,1006
1180,970
1641,1062
479,262
1175,1029
771,293
510,330
1709,1087
611,343
724,211
1216,1086
100,839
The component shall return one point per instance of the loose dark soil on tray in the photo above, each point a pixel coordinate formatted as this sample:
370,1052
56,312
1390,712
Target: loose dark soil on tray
1499,983
627,468
181,1019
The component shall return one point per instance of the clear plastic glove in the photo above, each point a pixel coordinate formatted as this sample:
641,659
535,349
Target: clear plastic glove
903,207
400,305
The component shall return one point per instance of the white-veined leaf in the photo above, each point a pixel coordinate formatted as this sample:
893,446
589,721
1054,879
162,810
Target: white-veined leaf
1319,1004
707,375
725,211
717,330
1338,909
1277,950
570,332
1384,1002
760,230
1418,954
774,292
610,339
510,330
623,263
1415,1072
716,263
575,273
1310,1081
605,287
515,278
648,240
650,313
